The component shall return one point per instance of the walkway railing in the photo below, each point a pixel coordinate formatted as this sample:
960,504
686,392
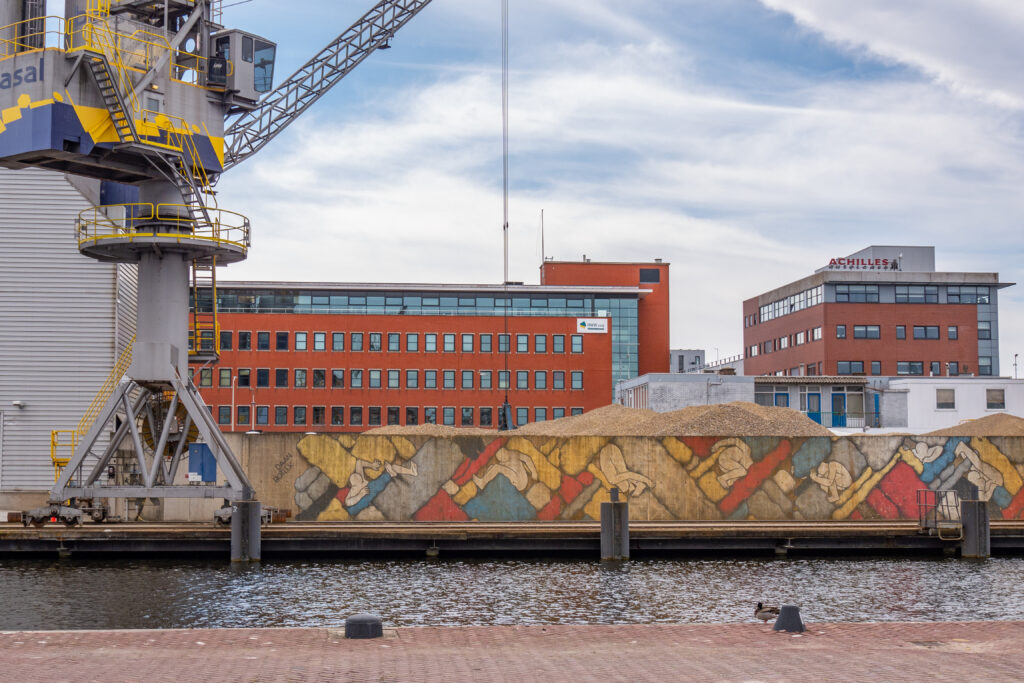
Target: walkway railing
161,220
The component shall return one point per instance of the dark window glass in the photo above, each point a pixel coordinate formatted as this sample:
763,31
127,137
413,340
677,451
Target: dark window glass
300,379
412,415
281,341
984,329
242,415
540,414
224,415
393,415
840,332
953,332
319,378
485,417
263,377
576,411
243,377
467,417
985,365
914,367
876,367
225,340
953,368
557,413
262,415
430,416
299,415
373,417
244,341
650,275
503,343
866,332
540,343
280,415
262,341
337,416
338,341
337,379
355,416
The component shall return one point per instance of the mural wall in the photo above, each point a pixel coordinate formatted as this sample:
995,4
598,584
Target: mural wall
399,478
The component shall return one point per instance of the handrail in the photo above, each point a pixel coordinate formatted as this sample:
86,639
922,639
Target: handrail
170,220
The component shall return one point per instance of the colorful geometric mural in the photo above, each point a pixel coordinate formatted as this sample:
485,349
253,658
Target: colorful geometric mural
400,478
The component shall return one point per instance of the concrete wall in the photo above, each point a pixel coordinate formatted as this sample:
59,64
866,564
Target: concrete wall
665,392
341,477
969,394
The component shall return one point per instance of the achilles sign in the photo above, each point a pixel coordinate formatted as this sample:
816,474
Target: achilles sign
863,264
592,325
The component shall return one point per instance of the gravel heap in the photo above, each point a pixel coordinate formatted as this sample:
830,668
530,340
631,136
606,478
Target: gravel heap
430,430
997,424
604,421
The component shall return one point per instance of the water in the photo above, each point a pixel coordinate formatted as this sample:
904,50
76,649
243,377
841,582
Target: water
39,594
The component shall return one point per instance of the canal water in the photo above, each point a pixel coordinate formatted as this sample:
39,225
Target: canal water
40,594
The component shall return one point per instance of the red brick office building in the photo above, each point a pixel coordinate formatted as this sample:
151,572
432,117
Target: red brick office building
349,357
882,311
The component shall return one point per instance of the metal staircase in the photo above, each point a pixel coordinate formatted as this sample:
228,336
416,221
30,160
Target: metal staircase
124,126
204,334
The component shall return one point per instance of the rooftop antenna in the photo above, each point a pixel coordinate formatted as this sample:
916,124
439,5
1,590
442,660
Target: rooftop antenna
542,253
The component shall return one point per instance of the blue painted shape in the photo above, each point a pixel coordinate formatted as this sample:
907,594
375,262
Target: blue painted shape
741,512
500,501
761,446
202,462
934,468
1001,497
810,454
373,488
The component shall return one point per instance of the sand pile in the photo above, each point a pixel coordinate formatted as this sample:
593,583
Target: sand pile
998,424
604,421
431,430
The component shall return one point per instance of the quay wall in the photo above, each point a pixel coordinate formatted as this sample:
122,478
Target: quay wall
417,477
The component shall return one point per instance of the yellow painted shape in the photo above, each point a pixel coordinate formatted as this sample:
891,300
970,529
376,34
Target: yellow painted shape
678,450
320,450
466,493
405,448
546,472
335,512
40,103
990,454
705,465
576,453
708,483
10,114
785,481
855,486
599,475
548,446
370,448
593,507
24,100
346,440
97,123
57,96
912,460
857,498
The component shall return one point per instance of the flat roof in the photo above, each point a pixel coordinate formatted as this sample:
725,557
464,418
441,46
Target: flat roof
811,379
432,287
610,263
886,277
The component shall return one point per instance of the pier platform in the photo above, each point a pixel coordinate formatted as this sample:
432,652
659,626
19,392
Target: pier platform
491,538
927,651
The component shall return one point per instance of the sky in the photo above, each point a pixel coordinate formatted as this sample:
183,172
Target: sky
746,142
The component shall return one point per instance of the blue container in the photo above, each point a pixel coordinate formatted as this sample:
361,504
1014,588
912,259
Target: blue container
202,462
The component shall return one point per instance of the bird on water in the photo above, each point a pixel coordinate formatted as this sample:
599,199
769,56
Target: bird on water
766,612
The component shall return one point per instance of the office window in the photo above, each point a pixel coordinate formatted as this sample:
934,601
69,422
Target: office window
430,379
576,411
430,415
280,341
901,331
337,379
262,341
299,415
540,379
394,379
375,341
952,332
412,379
650,275
577,379
504,377
467,417
355,416
243,377
840,332
373,416
374,382
953,368
393,415
540,414
467,343
913,367
224,377
244,341
850,367
225,340
995,399
945,399
300,379
540,343
557,413
223,415
968,295
449,343
800,338
300,341
503,343
917,294
262,377
319,378
522,416
866,332
784,342
430,342
984,365
935,368
394,343
262,415
412,342
355,343
876,367
448,413
576,343
412,416
486,416
337,341
467,379
449,379
984,329
558,343
280,415
558,379
485,379
485,343
242,415
816,334
856,293
206,377
355,379
522,343
926,331
522,379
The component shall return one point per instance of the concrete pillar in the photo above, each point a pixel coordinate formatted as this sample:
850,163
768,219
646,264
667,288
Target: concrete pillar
246,535
615,528
975,520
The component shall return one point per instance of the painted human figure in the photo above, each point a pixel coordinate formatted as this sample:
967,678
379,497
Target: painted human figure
613,465
518,467
833,478
733,460
359,483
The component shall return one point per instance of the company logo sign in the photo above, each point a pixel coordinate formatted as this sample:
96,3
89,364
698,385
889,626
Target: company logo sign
592,325
863,264
28,74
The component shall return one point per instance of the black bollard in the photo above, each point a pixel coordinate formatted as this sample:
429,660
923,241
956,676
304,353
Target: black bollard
615,528
364,626
246,535
789,620
974,519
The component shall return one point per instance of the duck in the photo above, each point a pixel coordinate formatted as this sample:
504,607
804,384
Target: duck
765,612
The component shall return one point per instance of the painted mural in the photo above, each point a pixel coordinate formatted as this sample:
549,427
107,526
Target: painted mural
342,477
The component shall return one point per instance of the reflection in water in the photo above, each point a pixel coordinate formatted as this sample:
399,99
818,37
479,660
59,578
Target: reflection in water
41,594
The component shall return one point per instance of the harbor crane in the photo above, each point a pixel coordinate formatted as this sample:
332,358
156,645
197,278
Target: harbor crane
160,96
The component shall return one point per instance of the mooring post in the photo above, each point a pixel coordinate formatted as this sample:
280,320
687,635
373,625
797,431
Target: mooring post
974,519
245,531
615,528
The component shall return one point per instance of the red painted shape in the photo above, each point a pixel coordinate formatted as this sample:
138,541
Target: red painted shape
1016,506
901,486
700,445
882,505
470,467
585,478
755,476
550,511
340,495
856,516
440,508
570,488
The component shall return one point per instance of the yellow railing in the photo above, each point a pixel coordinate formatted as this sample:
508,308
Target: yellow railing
225,227
29,34
64,441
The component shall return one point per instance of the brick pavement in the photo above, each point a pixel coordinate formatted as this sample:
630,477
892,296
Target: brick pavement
943,651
